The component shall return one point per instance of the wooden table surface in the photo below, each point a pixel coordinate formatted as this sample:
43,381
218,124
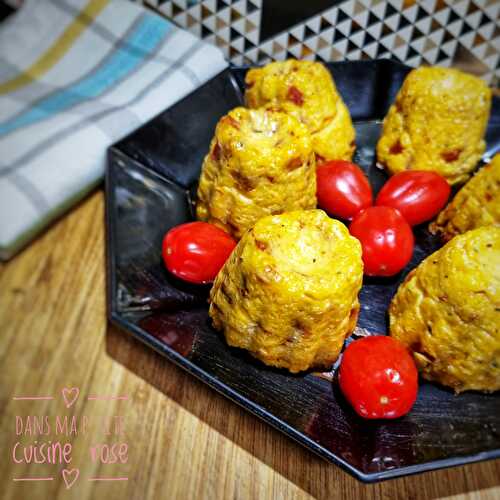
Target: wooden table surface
184,440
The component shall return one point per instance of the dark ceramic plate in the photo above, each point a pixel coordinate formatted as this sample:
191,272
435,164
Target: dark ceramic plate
150,179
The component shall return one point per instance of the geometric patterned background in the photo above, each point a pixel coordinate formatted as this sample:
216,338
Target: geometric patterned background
463,33
460,33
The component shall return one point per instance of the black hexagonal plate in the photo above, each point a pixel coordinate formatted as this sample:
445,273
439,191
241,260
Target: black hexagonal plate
150,179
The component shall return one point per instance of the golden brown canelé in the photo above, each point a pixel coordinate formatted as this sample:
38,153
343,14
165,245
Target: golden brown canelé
289,291
447,312
307,91
477,204
437,122
260,163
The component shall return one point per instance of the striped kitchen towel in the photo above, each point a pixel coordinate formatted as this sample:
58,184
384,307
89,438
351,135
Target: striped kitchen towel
76,76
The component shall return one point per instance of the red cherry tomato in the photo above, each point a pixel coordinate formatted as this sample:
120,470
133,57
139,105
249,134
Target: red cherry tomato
417,194
378,377
343,189
386,238
196,251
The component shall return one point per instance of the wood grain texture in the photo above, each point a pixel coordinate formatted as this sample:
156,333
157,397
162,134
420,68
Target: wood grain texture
185,440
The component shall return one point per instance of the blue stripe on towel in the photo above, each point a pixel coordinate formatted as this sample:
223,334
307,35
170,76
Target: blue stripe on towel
145,38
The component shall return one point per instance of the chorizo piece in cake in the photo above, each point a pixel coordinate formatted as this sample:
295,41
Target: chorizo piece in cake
447,312
289,292
437,122
477,204
260,163
306,90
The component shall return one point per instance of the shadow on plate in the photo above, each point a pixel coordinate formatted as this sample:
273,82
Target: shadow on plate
307,471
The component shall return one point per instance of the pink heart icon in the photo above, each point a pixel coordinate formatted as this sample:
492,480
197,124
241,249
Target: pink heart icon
70,476
69,395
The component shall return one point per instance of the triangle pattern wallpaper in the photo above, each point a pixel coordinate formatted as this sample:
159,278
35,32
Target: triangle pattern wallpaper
462,33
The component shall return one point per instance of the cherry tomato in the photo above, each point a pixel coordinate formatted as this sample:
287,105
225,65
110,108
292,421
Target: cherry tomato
417,194
343,189
386,238
378,377
196,251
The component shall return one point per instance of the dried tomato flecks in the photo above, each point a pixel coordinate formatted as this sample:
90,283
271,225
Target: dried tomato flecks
295,95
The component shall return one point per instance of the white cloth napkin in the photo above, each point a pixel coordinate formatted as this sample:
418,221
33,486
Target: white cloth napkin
76,76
